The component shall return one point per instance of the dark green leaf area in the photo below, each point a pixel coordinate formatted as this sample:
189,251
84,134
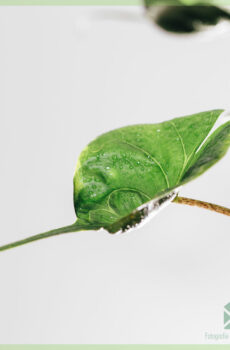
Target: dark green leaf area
214,149
126,167
188,19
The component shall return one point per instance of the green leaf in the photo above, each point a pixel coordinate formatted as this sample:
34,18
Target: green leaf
127,175
185,19
125,168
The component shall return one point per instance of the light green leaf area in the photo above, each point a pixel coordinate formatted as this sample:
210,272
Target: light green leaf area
125,168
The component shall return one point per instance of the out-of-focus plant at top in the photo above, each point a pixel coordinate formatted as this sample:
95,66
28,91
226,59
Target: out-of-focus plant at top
185,16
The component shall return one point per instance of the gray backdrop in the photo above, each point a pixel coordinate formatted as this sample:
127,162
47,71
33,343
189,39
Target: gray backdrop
67,74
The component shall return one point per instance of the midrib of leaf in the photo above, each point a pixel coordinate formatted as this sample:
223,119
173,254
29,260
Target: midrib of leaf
184,151
189,158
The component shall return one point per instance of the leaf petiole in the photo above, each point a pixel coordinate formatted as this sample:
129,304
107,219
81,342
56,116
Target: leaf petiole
59,231
83,227
205,205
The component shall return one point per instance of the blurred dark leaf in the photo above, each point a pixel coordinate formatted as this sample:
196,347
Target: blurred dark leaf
185,19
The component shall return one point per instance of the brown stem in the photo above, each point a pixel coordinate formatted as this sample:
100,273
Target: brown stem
201,204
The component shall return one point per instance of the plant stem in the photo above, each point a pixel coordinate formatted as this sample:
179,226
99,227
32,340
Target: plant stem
205,205
66,229
81,227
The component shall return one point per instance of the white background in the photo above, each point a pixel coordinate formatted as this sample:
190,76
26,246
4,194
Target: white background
67,74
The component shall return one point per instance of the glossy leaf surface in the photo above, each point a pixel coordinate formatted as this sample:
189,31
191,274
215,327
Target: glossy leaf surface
125,168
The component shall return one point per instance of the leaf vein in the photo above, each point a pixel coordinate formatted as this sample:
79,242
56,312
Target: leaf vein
153,159
184,151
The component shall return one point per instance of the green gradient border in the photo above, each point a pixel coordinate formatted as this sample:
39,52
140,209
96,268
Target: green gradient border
71,2
115,347
101,2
